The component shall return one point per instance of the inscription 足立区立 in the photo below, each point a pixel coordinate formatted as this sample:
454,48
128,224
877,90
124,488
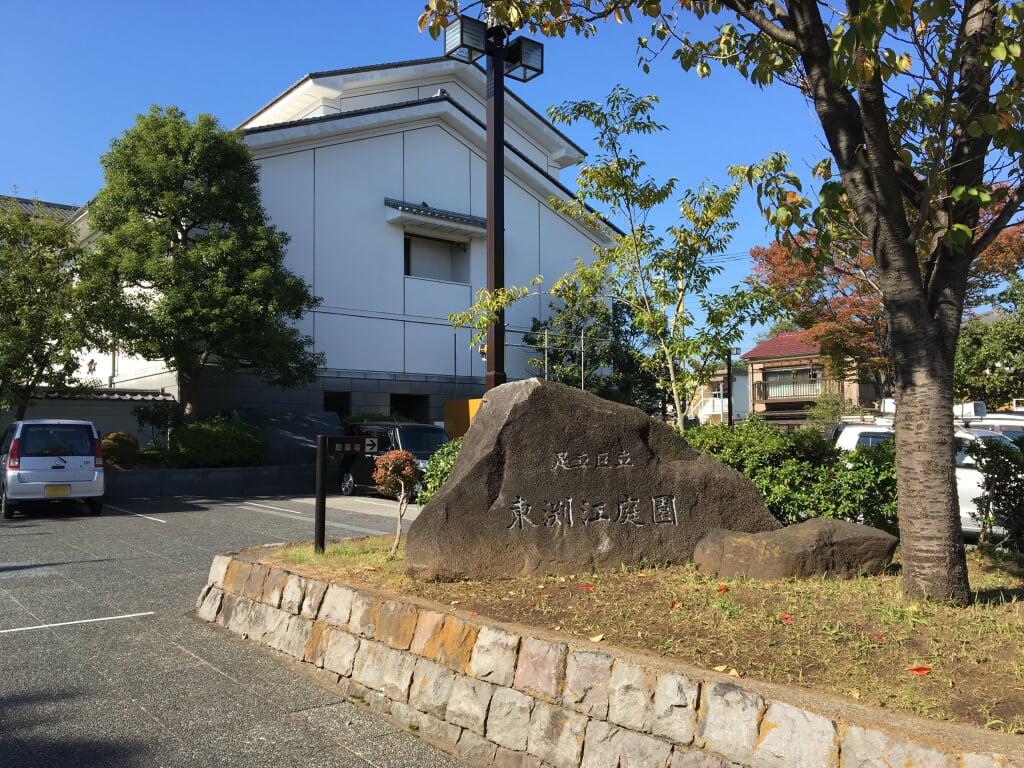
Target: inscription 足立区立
584,460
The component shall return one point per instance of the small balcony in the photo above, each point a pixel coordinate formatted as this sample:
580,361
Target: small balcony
795,391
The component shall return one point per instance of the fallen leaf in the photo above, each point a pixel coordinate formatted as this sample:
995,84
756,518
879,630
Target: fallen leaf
676,604
597,638
786,618
920,671
587,587
454,602
721,668
473,613
723,588
855,693
876,639
371,568
734,673
641,575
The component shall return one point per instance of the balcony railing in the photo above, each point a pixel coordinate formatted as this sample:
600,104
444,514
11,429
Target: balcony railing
779,391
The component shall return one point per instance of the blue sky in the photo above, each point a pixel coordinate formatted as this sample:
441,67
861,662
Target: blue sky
76,74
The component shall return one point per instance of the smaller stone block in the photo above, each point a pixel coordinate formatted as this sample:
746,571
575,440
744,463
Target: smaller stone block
469,702
341,653
396,676
336,607
453,644
428,624
431,687
368,669
556,735
293,593
218,569
587,675
675,708
315,590
254,583
494,656
475,749
728,721
508,720
396,624
316,647
862,747
273,587
631,696
540,671
235,577
362,620
209,603
791,736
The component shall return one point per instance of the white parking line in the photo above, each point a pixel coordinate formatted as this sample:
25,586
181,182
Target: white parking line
81,621
276,509
135,514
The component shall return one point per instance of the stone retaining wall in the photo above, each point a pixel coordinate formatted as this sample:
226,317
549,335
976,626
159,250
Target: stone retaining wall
505,696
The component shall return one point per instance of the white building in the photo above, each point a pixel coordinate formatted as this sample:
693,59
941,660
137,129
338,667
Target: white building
378,175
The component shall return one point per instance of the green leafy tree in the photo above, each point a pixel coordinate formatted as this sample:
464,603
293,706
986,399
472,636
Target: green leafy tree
990,354
585,342
44,319
920,111
185,260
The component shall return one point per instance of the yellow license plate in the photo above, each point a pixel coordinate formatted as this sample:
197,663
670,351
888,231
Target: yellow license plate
58,490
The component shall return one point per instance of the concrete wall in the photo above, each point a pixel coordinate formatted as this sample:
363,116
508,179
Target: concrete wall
511,696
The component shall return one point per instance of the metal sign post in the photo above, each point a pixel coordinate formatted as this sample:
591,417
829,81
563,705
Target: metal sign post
325,445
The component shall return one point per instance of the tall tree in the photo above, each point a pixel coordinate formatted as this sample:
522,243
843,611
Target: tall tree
652,275
43,320
590,343
920,110
990,355
184,256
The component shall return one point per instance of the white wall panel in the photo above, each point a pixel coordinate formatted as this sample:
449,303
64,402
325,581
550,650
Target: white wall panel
437,170
434,299
360,343
286,188
435,349
359,257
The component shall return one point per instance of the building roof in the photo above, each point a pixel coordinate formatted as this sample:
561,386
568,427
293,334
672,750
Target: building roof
783,345
33,207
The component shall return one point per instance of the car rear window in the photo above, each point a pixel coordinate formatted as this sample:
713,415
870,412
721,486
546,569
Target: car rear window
871,439
56,440
423,439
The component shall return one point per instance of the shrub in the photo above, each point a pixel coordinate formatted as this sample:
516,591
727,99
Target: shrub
120,449
396,473
216,443
802,475
1002,501
438,469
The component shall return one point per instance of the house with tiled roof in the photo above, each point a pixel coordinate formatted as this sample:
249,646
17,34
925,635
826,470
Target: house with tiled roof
787,374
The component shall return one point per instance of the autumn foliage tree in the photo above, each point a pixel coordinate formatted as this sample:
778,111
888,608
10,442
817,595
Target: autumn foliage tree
396,474
920,109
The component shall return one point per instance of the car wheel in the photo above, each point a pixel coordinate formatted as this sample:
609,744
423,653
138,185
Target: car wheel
348,484
6,508
95,506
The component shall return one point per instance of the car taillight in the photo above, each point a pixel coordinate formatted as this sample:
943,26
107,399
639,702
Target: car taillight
13,459
98,461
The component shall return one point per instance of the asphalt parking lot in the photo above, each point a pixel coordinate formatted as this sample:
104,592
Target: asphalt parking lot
103,664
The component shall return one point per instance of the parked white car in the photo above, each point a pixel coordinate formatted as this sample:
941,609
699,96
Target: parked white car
50,460
969,480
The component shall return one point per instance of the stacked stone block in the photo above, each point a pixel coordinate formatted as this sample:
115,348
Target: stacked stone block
497,698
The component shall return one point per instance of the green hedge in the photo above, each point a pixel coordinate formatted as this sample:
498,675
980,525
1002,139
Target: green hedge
216,443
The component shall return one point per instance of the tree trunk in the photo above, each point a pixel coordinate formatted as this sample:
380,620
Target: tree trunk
933,559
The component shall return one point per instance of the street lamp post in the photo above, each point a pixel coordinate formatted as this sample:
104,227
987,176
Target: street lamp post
728,378
467,39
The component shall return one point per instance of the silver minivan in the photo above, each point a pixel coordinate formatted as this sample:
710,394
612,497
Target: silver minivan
50,460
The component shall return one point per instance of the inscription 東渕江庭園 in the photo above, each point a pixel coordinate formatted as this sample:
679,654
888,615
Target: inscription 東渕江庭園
569,512
628,511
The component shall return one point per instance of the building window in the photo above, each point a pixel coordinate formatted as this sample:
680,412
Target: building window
434,259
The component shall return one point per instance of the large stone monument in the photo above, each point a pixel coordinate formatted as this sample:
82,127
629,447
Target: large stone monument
551,479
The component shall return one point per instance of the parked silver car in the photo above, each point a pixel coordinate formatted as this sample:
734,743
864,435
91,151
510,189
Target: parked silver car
50,460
